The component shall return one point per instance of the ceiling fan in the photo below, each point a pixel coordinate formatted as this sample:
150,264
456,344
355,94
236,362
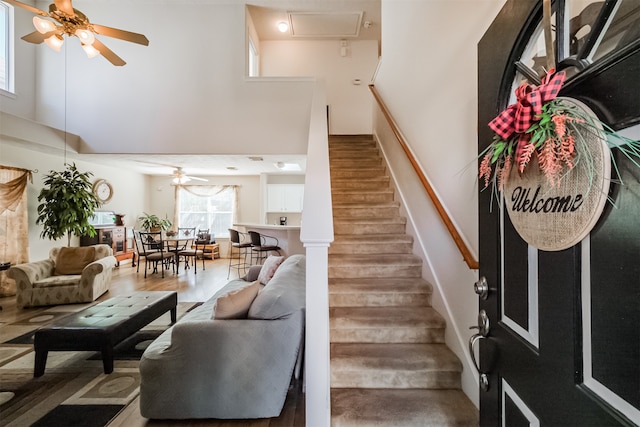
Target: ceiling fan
180,177
72,22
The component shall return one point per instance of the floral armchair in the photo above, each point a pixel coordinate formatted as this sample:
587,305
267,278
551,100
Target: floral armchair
70,275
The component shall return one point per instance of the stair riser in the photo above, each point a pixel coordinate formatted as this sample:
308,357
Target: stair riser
385,299
409,335
354,154
366,185
356,163
362,229
351,143
365,212
377,378
362,197
351,173
371,248
355,271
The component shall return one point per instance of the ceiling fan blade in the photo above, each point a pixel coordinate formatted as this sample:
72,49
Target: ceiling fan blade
121,34
65,6
196,178
36,37
28,7
108,53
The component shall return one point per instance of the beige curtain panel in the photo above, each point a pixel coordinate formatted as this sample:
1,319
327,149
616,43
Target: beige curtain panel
14,225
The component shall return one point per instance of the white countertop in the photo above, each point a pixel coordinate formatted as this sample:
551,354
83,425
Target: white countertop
267,226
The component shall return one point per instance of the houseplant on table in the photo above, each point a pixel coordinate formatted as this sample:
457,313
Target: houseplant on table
152,222
67,203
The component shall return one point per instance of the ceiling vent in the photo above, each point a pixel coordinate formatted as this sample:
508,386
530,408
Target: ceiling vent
325,24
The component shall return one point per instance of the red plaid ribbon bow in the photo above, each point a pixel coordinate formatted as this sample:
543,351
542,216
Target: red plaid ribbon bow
520,116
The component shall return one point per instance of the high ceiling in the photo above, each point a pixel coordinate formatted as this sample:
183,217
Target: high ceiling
309,19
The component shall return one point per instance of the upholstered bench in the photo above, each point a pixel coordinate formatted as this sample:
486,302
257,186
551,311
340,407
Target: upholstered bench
102,326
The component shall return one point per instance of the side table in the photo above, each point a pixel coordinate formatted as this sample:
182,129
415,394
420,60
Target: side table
211,251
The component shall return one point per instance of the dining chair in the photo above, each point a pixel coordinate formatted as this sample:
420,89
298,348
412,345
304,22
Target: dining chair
179,242
261,245
193,253
154,251
240,242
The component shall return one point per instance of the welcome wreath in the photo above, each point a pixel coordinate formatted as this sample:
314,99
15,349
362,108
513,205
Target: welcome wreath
547,155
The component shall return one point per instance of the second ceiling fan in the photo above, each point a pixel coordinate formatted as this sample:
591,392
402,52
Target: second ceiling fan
72,22
179,177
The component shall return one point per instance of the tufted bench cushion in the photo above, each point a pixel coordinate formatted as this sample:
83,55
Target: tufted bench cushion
102,326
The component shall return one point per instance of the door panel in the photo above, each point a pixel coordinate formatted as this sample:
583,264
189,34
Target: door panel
564,344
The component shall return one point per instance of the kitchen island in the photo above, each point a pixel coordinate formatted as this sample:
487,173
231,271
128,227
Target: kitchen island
288,235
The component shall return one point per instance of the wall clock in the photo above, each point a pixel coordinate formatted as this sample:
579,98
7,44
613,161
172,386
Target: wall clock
103,190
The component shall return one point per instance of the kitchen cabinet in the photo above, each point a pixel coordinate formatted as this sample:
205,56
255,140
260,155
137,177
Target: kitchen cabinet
285,197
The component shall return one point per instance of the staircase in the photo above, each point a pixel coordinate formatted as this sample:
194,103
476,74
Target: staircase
389,363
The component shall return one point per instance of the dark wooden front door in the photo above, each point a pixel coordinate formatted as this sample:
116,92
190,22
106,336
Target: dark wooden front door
563,347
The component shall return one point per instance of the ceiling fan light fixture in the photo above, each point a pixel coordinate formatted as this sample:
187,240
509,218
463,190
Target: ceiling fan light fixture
91,51
42,25
85,36
55,42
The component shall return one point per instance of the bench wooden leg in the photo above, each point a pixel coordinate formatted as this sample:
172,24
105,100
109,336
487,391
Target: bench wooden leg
40,363
107,359
174,315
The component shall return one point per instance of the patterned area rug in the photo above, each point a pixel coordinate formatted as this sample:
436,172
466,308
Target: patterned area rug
74,391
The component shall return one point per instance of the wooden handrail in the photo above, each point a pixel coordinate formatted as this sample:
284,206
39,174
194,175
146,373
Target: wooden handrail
453,231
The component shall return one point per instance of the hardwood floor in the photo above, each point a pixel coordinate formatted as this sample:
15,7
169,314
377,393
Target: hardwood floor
191,288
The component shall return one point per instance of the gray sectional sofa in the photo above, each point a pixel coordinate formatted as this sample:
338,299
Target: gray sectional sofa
230,369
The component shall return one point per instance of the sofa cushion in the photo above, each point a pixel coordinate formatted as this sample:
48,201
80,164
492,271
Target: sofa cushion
235,304
74,260
269,268
285,293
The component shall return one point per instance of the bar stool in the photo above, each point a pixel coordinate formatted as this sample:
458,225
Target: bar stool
238,242
260,248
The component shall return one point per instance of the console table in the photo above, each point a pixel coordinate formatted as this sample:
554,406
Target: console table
114,236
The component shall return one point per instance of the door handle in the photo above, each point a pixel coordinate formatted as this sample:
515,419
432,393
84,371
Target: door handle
484,379
483,330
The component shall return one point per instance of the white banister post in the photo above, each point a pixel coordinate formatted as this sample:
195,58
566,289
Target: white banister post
316,233
317,365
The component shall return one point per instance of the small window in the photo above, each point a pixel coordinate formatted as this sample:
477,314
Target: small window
6,47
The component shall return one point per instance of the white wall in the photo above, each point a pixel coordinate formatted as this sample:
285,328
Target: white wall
428,79
349,104
184,93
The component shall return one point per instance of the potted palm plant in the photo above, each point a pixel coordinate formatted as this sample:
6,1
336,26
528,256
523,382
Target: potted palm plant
152,222
67,203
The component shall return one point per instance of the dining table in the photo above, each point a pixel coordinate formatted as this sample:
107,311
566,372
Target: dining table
175,244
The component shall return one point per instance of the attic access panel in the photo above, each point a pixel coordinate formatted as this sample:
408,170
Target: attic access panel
325,24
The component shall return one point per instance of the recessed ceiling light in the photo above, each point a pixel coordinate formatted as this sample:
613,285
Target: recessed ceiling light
289,167
283,26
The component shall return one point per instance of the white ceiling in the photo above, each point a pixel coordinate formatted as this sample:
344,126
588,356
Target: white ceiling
312,19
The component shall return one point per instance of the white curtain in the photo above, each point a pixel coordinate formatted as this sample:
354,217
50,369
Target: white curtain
204,191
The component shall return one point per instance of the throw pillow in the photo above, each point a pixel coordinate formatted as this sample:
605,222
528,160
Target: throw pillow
269,268
74,260
235,304
252,273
